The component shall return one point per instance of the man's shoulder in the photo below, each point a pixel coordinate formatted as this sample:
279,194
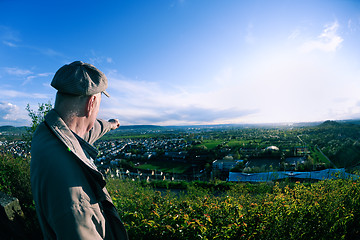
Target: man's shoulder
40,134
50,157
46,143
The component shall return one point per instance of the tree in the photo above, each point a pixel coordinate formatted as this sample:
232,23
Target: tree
36,117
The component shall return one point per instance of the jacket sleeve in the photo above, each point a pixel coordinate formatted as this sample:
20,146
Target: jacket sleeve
100,128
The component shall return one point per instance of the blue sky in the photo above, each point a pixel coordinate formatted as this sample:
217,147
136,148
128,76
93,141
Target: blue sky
172,62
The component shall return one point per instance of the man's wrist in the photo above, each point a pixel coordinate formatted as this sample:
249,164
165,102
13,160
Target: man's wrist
114,123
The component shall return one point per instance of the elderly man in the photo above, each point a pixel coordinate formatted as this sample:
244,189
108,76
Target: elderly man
69,192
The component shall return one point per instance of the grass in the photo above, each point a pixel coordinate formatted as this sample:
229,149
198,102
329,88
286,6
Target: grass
211,144
166,166
320,158
234,143
116,136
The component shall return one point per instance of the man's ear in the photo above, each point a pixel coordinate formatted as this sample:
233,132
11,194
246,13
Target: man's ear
90,105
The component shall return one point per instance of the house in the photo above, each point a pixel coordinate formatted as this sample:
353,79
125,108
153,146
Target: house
272,148
176,156
225,165
301,151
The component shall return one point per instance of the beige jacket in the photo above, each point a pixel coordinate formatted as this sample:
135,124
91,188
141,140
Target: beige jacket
69,192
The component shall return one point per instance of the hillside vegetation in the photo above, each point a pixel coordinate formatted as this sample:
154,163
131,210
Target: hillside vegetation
339,141
216,210
223,210
322,210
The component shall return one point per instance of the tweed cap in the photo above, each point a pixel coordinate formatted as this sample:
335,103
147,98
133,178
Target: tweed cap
78,78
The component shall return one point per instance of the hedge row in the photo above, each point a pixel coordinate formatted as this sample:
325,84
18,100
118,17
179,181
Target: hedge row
323,210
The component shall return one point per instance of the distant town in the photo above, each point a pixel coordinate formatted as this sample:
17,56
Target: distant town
225,152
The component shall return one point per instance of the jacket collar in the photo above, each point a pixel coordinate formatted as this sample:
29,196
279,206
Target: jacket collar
89,149
61,130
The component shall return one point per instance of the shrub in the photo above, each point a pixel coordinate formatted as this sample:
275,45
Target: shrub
15,181
218,210
324,210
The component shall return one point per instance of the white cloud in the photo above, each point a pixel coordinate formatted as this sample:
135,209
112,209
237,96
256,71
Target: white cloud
49,52
17,71
294,34
327,41
96,59
9,35
31,77
8,111
140,102
225,75
23,74
44,74
278,85
144,93
353,26
350,24
17,94
10,38
10,44
249,38
11,114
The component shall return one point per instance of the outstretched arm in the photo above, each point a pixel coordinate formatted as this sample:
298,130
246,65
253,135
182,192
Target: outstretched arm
100,128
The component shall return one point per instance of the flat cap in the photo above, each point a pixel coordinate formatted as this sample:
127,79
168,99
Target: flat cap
78,78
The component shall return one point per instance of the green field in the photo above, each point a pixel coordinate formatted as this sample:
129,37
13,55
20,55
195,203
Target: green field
166,166
234,143
211,144
116,136
318,156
